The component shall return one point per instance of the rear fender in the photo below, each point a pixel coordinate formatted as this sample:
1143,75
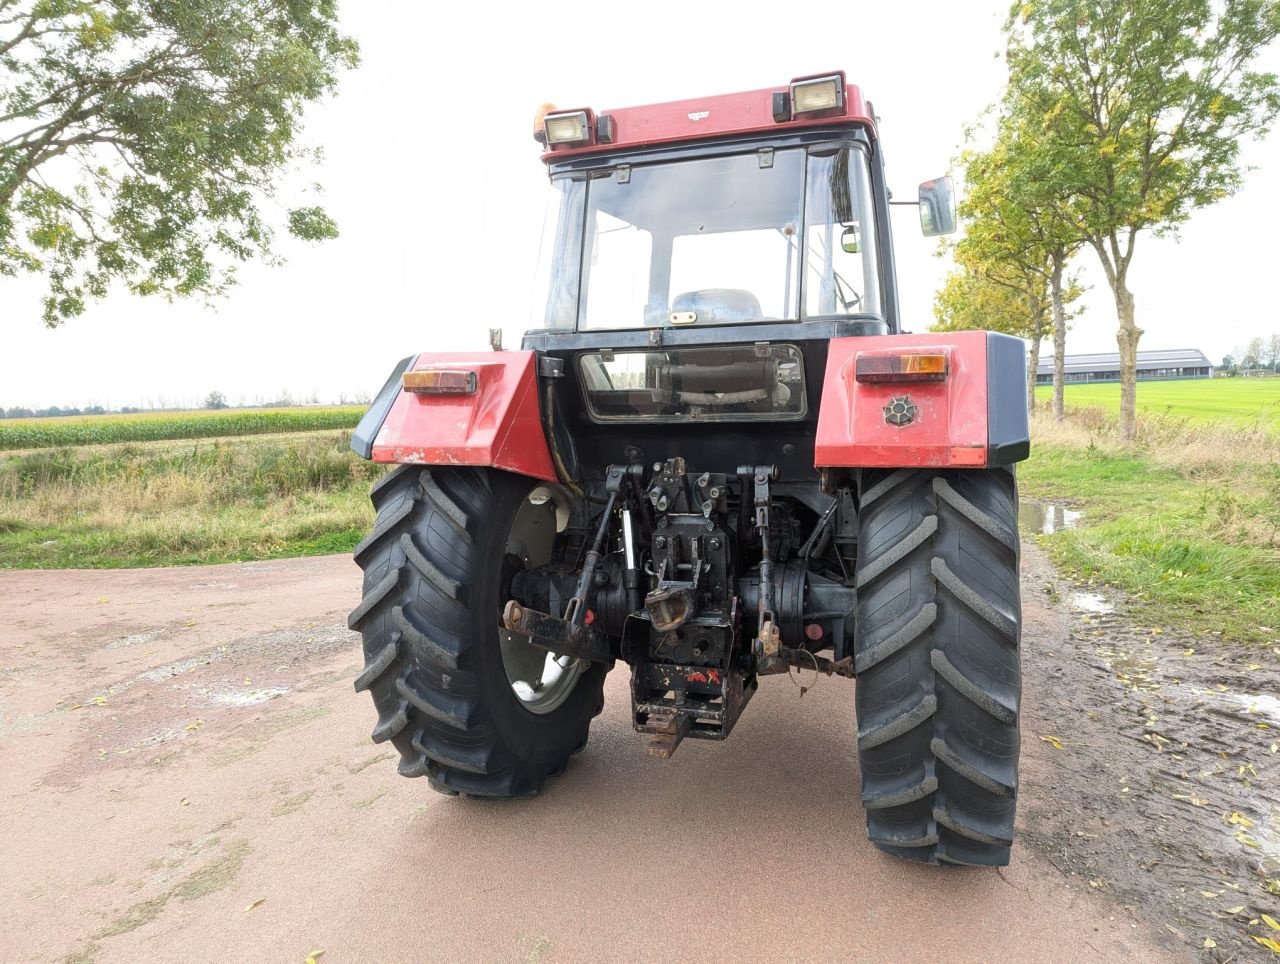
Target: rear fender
975,417
498,425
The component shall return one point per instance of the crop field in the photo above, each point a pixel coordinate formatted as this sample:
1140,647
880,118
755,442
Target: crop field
38,433
1244,401
183,502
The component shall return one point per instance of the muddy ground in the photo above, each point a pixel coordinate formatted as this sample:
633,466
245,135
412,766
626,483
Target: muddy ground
186,773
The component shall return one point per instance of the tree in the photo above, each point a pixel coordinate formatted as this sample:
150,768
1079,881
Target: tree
1012,239
1273,352
1253,355
1228,364
139,140
215,400
969,301
1142,106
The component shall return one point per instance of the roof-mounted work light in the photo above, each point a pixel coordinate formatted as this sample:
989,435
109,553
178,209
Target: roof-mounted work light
567,129
812,95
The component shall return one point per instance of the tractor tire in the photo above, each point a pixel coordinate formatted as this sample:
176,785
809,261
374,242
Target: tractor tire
936,655
434,570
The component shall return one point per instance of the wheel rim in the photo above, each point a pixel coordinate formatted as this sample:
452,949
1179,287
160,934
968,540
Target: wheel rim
540,680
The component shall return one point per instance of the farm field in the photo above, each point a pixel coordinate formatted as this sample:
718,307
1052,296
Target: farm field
1240,400
36,433
178,502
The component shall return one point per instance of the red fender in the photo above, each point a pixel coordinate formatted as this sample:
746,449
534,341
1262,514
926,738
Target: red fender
948,421
498,425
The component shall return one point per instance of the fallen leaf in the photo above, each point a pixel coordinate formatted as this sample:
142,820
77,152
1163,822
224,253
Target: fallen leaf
1235,818
1053,741
1271,886
1235,910
311,958
1210,942
194,725
1270,943
99,701
1245,839
256,903
1270,922
1189,652
1248,768
1211,893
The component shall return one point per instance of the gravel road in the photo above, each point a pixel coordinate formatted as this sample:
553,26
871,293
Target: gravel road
187,775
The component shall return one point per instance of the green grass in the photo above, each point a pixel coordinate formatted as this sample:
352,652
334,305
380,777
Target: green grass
1237,400
184,502
35,433
1192,544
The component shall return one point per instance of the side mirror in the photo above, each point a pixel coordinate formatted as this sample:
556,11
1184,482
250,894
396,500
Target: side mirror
937,207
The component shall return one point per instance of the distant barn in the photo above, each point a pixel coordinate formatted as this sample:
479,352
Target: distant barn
1105,367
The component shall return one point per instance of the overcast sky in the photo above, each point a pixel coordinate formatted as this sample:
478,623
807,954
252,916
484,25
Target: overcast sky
435,181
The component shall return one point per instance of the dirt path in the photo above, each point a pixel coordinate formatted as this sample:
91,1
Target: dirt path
180,745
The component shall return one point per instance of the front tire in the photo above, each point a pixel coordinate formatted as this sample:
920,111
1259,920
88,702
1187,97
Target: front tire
436,568
936,653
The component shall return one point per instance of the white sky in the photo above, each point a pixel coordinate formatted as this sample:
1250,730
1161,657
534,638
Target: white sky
434,178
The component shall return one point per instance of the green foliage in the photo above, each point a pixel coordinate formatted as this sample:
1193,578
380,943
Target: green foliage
969,301
1013,240
1132,112
1187,550
171,503
209,423
139,140
1140,104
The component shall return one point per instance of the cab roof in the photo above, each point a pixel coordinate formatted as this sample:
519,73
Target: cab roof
721,115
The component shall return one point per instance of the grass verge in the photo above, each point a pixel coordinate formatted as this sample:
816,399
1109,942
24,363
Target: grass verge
1187,523
180,503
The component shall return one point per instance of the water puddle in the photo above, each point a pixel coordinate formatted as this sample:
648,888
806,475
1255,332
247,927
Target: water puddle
1262,704
1090,602
1046,518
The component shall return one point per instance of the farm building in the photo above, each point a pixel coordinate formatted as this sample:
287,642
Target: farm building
1105,367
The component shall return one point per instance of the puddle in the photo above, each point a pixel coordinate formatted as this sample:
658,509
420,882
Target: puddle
1261,704
1046,518
1090,602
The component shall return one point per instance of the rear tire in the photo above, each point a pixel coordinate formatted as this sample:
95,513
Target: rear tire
433,571
936,653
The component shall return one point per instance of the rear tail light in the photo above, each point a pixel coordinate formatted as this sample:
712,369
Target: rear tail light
440,382
906,367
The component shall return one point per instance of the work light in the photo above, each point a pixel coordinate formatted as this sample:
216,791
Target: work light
818,94
573,127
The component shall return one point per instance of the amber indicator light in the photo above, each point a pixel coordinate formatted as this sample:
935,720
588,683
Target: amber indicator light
918,367
440,382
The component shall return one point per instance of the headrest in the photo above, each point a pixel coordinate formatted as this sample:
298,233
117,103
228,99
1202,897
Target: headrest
719,305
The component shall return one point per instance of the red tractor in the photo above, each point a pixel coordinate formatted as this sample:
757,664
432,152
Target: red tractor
717,457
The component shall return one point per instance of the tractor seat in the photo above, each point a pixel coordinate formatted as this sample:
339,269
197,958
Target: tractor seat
718,305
